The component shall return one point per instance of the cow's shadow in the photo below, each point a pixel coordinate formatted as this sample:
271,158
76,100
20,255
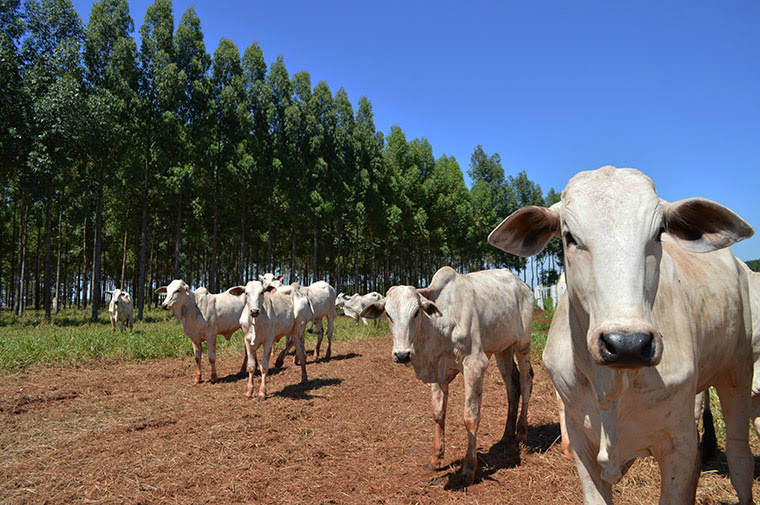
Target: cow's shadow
322,359
301,391
501,455
718,464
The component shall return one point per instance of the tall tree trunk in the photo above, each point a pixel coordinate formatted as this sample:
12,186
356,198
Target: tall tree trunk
143,234
24,232
315,277
150,264
178,239
58,298
95,293
356,260
38,271
123,261
269,235
48,230
339,283
84,264
213,280
293,250
241,267
15,240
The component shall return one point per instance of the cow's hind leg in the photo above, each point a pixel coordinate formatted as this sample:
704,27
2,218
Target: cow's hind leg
440,397
526,387
211,345
320,331
197,348
330,331
301,354
735,402
511,379
281,357
473,371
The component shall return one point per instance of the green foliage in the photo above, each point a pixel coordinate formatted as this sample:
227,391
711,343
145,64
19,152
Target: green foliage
754,265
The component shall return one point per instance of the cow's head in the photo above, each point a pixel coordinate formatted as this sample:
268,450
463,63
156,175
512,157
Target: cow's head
613,227
254,295
176,293
269,279
405,309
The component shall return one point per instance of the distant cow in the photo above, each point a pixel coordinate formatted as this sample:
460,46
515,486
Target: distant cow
646,325
269,316
203,317
120,308
321,296
270,279
454,326
353,305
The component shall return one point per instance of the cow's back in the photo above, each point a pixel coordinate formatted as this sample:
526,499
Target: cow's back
498,299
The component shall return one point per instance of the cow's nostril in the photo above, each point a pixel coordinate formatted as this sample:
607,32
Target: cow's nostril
401,357
627,349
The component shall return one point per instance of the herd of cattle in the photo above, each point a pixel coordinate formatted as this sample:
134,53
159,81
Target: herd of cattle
656,310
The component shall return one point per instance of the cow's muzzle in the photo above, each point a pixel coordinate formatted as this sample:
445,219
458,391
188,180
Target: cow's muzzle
164,306
255,312
628,350
402,356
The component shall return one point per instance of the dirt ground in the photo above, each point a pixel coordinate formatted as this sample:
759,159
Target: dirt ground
359,432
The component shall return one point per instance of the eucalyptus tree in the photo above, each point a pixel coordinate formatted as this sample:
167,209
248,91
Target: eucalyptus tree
14,108
54,78
228,108
193,64
342,181
161,90
111,75
368,145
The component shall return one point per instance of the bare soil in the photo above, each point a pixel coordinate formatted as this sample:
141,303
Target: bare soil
359,432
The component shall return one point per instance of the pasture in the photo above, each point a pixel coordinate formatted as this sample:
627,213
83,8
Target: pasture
88,416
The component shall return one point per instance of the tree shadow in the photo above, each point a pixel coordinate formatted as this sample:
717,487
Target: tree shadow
300,391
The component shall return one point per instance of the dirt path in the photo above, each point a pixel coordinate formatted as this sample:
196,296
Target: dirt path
358,433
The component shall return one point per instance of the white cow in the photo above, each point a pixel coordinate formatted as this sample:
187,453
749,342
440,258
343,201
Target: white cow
454,326
353,305
321,296
270,279
203,317
268,316
646,324
120,308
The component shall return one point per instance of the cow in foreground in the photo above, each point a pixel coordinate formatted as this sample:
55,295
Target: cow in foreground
353,305
120,309
269,316
321,297
203,317
454,326
647,323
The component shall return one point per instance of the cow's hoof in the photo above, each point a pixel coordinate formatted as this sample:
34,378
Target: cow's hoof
197,379
278,363
466,477
327,356
261,397
434,466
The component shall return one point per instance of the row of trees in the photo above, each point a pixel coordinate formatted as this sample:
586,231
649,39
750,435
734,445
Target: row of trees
125,165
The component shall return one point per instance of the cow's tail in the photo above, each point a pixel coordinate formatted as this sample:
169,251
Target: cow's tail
311,307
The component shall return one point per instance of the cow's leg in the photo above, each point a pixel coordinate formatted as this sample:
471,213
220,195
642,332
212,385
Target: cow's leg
679,463
301,354
197,348
734,395
755,412
244,366
709,443
320,333
281,357
131,322
211,347
113,326
250,354
567,448
264,368
440,397
526,386
473,371
330,331
511,382
596,491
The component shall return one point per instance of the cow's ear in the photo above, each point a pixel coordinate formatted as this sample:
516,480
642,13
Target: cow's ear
269,289
430,308
527,230
374,310
701,225
279,277
236,291
109,292
161,290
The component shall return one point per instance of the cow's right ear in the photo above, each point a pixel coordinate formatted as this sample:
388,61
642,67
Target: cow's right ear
270,289
237,290
161,290
109,292
700,225
374,310
527,230
279,277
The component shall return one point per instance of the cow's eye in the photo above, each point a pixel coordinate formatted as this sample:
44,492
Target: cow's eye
569,239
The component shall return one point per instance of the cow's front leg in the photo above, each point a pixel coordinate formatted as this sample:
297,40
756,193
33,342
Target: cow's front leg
474,370
113,326
526,386
734,392
268,343
511,382
131,322
301,355
211,344
244,366
596,491
330,331
679,463
440,397
197,348
250,354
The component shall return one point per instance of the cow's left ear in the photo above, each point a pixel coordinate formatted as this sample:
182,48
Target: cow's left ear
527,230
430,308
236,291
701,225
374,310
279,277
270,289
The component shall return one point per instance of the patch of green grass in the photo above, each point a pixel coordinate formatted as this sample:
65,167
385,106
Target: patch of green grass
72,338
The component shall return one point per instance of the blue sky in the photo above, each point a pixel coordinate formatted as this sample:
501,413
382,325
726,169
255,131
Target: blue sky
671,88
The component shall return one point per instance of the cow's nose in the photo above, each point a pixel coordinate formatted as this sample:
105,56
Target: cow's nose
627,349
401,357
164,306
254,312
